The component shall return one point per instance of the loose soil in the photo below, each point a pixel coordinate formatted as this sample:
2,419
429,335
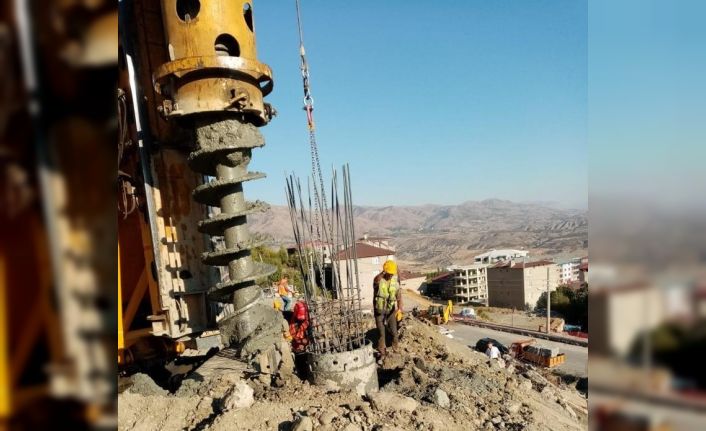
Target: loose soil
430,383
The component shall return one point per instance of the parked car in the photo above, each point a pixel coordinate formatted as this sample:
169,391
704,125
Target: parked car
468,312
482,345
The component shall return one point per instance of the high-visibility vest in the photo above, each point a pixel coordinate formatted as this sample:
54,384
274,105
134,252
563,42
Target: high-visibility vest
386,297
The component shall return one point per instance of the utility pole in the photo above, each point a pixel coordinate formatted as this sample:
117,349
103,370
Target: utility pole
646,340
549,302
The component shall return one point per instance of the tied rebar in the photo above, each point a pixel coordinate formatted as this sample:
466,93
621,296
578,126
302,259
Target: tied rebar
325,238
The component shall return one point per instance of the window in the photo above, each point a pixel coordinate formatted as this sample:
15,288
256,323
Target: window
376,260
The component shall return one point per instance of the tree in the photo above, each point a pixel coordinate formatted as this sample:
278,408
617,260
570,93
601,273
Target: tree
677,347
570,303
560,299
283,256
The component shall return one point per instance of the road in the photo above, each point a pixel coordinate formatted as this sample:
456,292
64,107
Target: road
576,356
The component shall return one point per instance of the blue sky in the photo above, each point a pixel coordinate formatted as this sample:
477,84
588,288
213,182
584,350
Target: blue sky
431,102
647,101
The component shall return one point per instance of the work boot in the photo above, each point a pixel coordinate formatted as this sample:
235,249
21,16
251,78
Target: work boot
381,352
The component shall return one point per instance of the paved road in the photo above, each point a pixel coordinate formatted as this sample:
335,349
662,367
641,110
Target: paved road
576,356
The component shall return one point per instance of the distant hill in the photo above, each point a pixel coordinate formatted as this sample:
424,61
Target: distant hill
445,234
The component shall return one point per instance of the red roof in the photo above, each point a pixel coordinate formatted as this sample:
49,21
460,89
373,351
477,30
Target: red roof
443,276
366,250
521,265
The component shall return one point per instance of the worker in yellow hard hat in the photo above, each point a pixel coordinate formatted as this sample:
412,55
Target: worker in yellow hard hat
387,304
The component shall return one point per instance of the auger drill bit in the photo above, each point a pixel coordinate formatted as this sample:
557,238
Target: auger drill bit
215,85
224,151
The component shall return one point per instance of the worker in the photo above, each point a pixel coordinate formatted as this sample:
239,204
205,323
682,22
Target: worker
285,292
387,304
298,327
492,351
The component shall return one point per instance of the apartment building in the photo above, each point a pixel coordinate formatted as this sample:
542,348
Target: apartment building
494,256
520,284
439,286
469,283
569,271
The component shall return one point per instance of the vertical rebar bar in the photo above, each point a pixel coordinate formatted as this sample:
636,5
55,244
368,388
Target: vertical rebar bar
334,308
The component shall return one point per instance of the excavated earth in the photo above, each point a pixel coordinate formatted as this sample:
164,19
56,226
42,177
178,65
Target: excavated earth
430,383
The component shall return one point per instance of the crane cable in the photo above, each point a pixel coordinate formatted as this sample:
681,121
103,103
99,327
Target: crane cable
319,193
308,99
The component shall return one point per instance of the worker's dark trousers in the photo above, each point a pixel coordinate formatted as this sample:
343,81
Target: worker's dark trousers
389,320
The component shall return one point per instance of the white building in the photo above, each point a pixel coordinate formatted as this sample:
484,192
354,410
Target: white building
377,241
470,283
619,314
569,271
370,261
494,256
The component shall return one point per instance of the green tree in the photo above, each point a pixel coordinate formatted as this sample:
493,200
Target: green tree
560,299
283,256
570,303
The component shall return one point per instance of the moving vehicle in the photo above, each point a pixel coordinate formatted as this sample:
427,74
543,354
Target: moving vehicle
524,350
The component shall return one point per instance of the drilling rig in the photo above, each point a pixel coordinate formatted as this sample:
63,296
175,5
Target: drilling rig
190,101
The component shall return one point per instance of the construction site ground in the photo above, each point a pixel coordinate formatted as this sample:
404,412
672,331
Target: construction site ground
516,318
576,356
431,382
501,316
576,363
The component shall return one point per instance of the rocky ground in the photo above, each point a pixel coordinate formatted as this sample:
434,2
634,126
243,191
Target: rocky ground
430,383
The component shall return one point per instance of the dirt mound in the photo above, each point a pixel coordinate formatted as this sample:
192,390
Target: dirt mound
430,383
144,385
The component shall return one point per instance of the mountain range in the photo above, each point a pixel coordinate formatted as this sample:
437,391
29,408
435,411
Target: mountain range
439,235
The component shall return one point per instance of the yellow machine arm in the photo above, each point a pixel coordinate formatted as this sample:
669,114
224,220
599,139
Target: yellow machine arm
448,311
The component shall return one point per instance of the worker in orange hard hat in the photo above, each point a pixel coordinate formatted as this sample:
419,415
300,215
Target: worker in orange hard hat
387,304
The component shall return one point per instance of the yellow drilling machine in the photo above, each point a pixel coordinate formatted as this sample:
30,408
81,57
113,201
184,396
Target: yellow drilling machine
190,101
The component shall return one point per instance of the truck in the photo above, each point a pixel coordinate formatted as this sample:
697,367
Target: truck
525,350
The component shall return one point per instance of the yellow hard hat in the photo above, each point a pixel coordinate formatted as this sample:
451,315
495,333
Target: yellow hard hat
390,267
